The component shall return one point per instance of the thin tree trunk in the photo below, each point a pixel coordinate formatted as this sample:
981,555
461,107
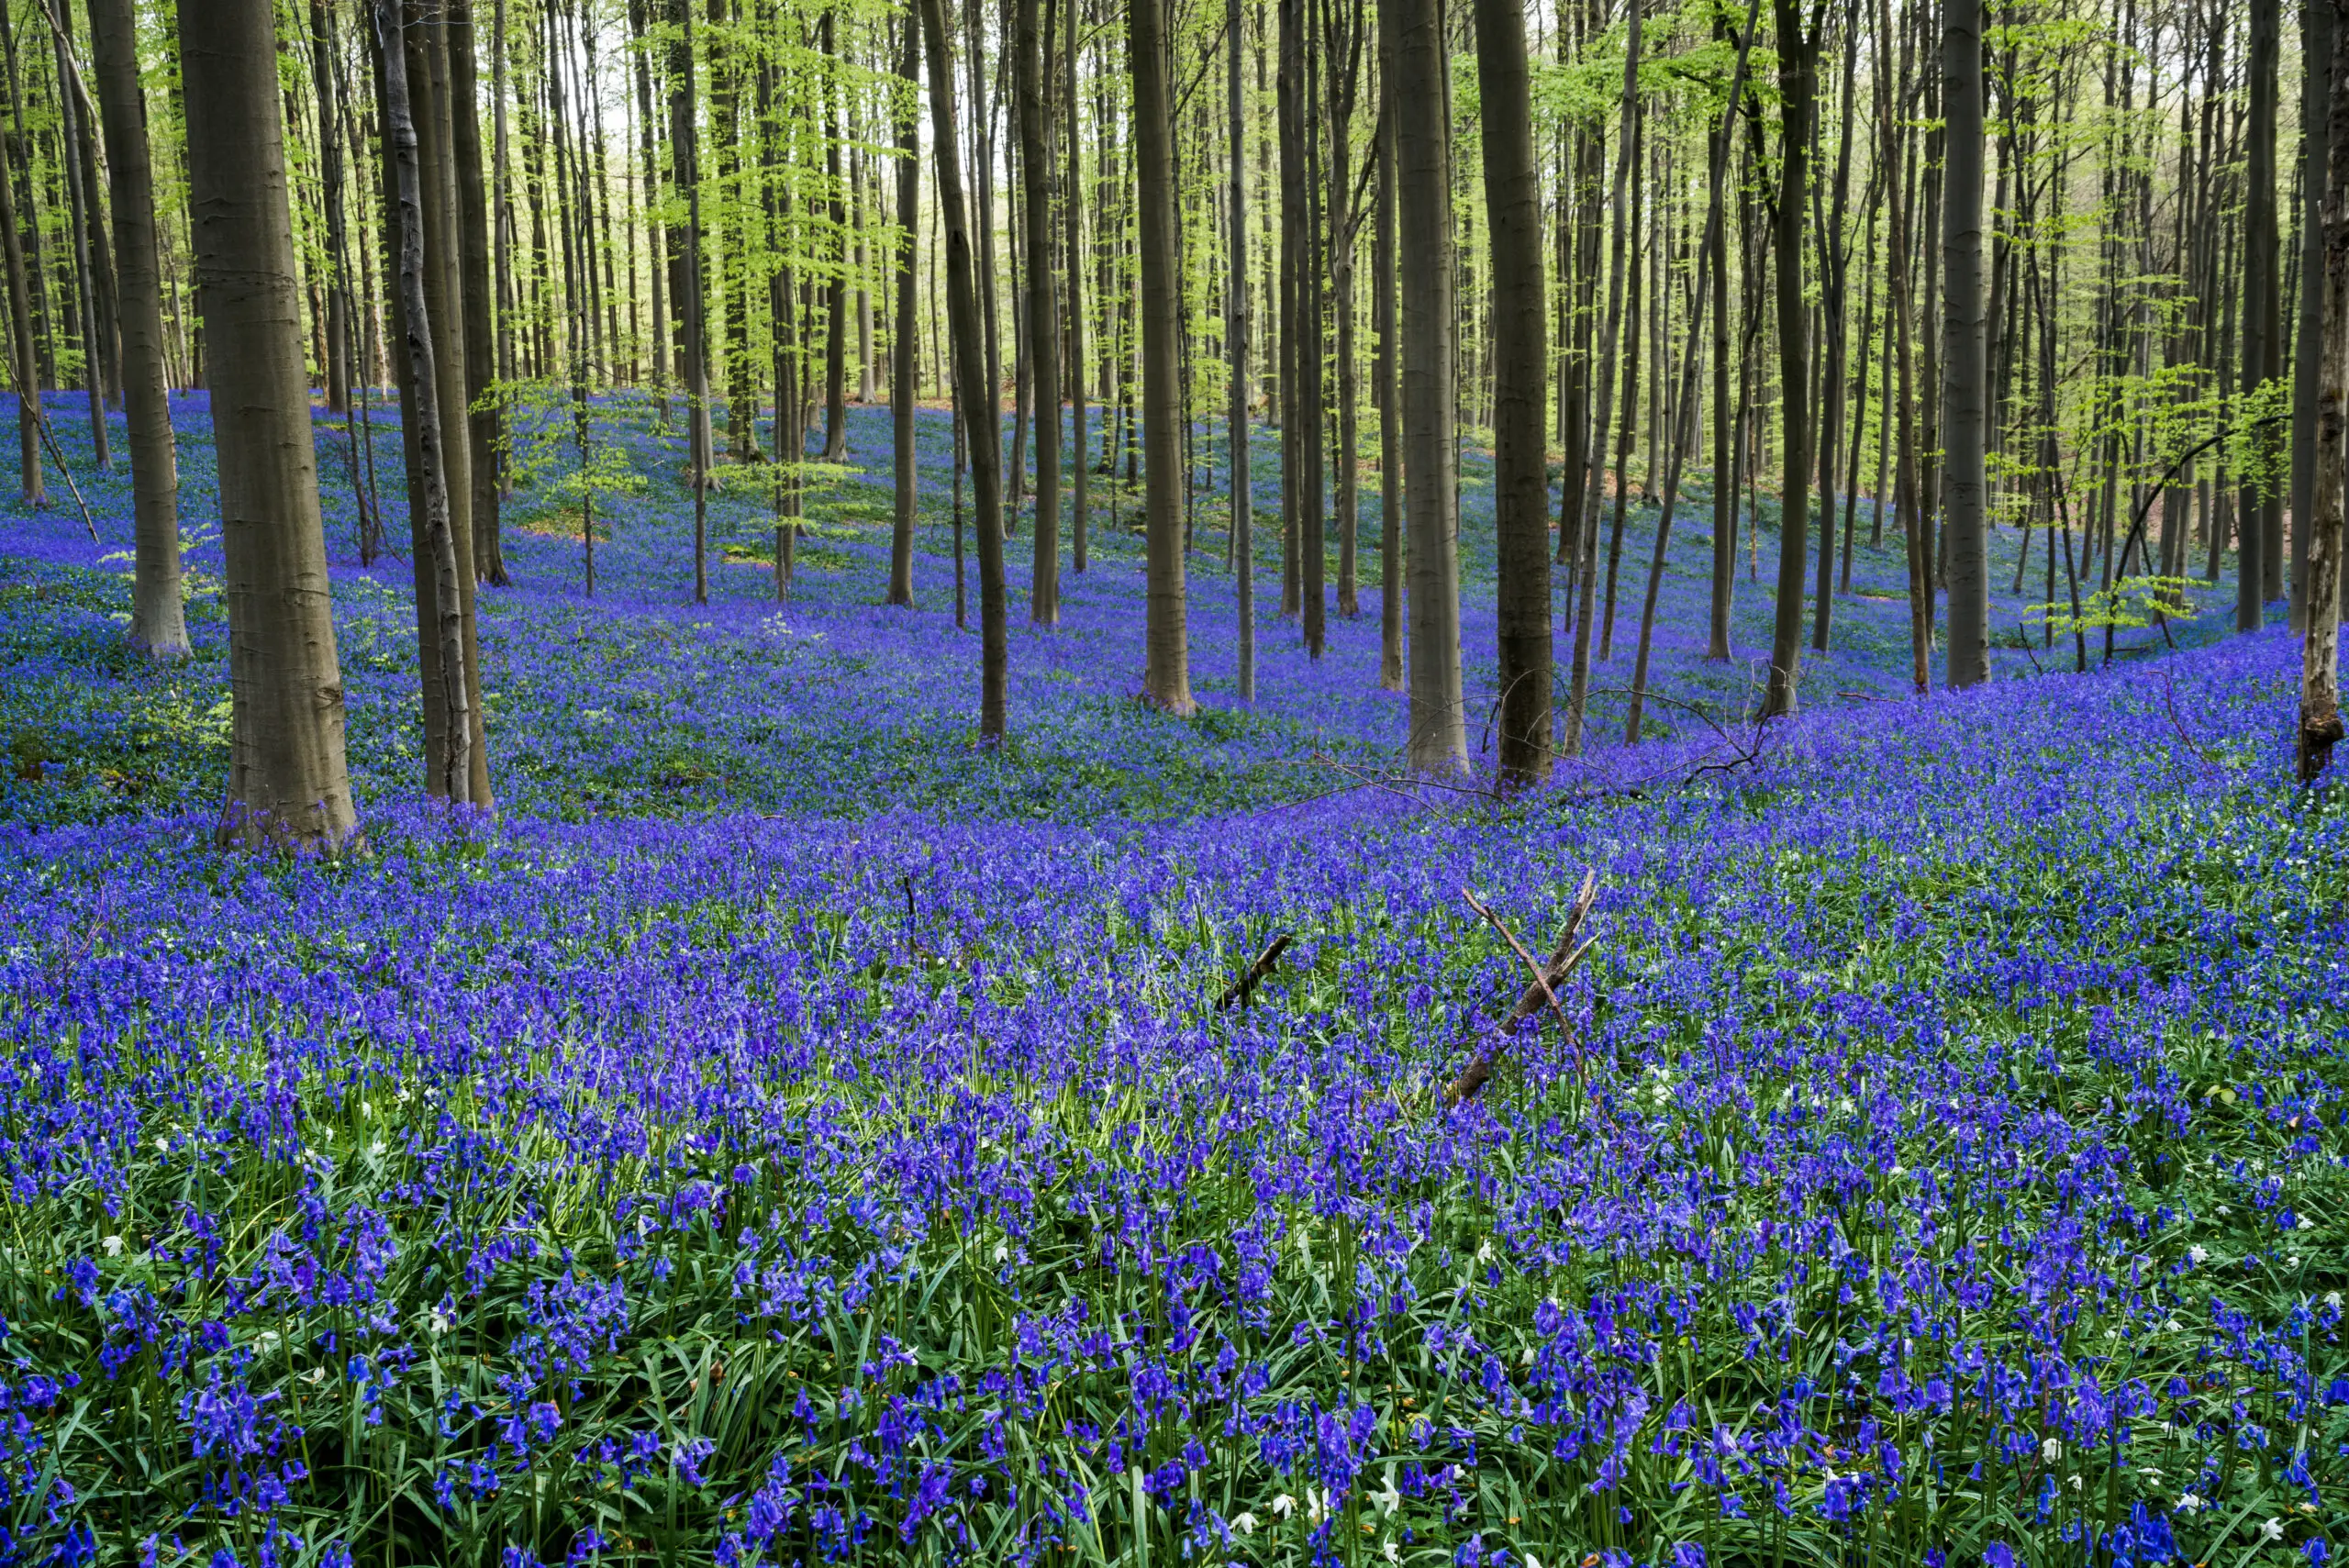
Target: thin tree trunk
2316,47
157,625
25,362
978,399
1388,387
685,282
473,253
1243,547
2259,565
1043,311
1079,468
903,370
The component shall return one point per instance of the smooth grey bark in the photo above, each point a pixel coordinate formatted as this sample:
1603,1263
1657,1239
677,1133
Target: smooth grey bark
158,627
2316,47
977,399
685,282
1438,737
1797,63
1073,217
2321,724
287,781
902,344
1167,674
1387,385
450,772
1042,318
1965,416
78,204
472,253
24,356
2258,563
1521,369
1244,549
836,326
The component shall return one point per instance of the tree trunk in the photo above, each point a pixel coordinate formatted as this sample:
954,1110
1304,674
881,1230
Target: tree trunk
1043,311
685,282
1965,417
2259,565
1343,54
473,253
287,782
2320,725
1417,45
2316,48
1521,366
836,327
1797,61
1167,678
79,203
977,398
1388,388
902,344
440,566
24,362
157,626
1079,469
1243,544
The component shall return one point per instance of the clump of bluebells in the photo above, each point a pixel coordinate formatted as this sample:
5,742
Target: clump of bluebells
1942,1164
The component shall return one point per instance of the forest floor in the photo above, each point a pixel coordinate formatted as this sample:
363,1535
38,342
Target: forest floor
789,1132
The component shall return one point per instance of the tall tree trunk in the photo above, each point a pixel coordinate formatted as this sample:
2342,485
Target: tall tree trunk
1520,368
978,399
1079,468
1167,674
1388,387
1243,510
23,356
1965,419
1797,66
2316,48
322,79
903,367
451,774
2259,565
287,782
1343,55
2320,725
658,263
1724,475
480,364
1834,262
1043,311
79,205
685,282
836,329
1417,45
157,626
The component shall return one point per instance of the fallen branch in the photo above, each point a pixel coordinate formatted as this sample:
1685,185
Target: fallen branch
2169,702
1544,987
1236,995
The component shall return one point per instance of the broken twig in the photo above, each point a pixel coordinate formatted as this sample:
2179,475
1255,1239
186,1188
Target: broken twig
1236,995
1544,987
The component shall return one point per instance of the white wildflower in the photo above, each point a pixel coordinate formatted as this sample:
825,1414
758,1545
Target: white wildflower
1283,1505
2188,1502
2333,1299
1485,1252
2272,1530
1394,1553
1244,1523
1389,1499
317,1375
2051,1450
113,1244
2197,1254
2306,1223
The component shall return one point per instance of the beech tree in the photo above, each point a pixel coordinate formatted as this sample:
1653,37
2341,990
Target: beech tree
287,781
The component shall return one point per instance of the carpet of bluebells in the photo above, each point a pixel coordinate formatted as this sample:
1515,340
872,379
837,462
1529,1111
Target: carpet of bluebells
786,1134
